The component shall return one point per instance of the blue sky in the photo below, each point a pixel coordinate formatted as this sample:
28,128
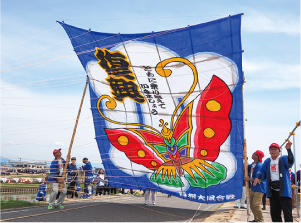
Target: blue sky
39,103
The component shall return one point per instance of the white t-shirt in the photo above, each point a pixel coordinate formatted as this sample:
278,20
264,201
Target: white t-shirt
274,169
90,189
61,169
252,169
102,177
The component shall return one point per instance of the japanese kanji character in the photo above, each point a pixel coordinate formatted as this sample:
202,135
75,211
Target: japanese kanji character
159,101
201,197
192,196
211,198
122,89
114,63
220,198
154,86
230,196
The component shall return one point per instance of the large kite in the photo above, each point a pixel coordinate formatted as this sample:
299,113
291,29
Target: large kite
167,107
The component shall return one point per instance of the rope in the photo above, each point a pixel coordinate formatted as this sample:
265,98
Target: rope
87,206
45,61
29,39
52,212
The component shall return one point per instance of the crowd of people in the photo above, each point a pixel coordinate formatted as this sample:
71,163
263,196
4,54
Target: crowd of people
61,188
270,178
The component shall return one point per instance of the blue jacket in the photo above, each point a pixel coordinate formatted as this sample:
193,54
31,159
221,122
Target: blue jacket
71,172
88,172
42,192
71,169
285,162
259,187
43,187
54,170
39,196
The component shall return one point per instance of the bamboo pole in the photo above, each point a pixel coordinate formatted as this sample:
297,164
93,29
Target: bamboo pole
291,133
73,135
246,182
245,153
296,184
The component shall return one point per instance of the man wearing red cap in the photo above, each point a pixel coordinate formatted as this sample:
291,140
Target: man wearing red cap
56,178
257,191
276,172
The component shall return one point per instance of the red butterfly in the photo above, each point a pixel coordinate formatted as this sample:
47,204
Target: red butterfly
172,147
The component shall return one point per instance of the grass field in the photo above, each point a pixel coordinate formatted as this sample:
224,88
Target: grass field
19,185
17,204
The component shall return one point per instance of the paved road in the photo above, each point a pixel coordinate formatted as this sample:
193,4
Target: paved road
115,209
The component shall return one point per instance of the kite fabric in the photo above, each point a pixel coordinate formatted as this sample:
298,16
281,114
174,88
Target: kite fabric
168,108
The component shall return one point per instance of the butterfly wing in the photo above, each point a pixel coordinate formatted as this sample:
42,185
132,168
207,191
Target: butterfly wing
212,119
134,146
182,131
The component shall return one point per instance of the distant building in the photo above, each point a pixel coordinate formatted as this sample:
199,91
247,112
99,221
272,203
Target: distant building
25,165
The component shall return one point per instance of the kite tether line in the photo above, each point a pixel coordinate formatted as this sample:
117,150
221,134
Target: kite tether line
245,153
73,135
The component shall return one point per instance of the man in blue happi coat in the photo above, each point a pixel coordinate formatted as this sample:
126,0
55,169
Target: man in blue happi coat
276,172
72,179
256,191
87,168
56,179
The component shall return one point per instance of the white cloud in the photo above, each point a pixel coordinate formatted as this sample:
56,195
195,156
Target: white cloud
59,143
268,75
258,22
33,124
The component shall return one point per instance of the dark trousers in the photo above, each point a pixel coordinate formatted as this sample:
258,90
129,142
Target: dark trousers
71,190
113,190
86,188
264,200
277,204
101,190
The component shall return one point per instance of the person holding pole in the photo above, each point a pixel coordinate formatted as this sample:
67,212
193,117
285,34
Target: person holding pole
256,191
276,172
87,168
57,179
72,179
